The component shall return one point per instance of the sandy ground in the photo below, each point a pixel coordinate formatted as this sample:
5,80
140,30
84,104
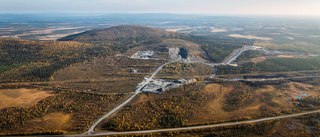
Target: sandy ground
218,30
50,122
21,97
291,38
249,37
285,56
173,30
258,59
178,28
315,36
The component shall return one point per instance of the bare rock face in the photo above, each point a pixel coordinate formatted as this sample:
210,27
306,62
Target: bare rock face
143,54
160,85
174,53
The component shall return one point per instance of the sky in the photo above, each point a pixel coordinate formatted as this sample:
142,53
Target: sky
265,7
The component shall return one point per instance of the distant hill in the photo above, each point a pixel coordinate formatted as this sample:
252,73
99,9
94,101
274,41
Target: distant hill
124,37
128,32
121,38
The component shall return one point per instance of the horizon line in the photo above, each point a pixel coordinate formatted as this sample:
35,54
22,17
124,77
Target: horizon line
173,13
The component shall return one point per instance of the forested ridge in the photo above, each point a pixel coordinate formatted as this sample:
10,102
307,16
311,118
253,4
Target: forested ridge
38,60
123,37
133,33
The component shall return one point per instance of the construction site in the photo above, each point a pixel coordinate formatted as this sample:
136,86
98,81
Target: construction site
158,86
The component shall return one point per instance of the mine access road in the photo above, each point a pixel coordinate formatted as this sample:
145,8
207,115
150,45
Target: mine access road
234,55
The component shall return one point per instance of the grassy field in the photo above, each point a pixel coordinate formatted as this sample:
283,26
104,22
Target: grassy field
22,97
56,121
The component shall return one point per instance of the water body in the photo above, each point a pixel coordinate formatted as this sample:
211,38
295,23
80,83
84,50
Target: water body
183,53
310,129
302,95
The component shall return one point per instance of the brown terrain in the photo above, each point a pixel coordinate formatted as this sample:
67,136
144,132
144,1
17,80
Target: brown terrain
22,97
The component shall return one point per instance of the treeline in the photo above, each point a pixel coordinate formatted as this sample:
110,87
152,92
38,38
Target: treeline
273,65
84,107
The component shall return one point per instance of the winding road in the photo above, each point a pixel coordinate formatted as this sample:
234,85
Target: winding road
235,54
90,131
91,128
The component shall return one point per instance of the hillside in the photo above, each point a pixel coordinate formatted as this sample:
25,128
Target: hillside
124,37
28,60
134,33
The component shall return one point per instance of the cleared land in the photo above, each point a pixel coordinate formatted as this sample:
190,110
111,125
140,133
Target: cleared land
22,97
56,121
218,30
249,37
